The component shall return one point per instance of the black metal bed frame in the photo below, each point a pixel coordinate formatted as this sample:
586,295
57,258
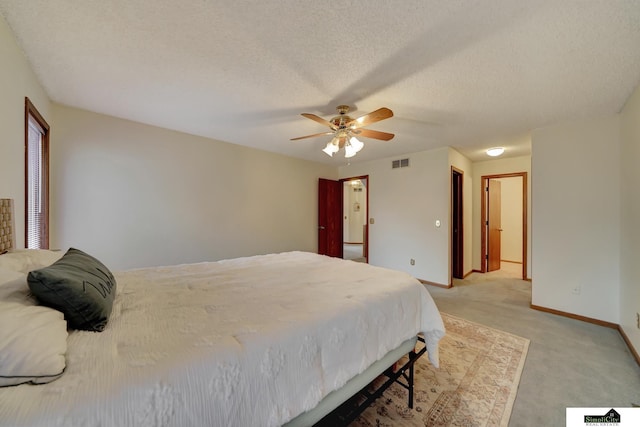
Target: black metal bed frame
353,407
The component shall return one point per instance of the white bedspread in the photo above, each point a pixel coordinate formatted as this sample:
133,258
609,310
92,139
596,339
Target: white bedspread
245,342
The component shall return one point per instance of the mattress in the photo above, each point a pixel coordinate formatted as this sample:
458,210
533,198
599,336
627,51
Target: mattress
247,341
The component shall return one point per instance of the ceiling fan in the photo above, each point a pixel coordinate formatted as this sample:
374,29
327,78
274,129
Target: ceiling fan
345,129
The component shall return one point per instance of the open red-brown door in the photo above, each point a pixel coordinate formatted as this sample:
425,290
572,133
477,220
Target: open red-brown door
330,218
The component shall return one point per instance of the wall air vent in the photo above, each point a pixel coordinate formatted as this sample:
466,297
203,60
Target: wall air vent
402,163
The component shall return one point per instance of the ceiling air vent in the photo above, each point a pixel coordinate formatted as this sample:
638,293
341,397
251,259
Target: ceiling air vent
402,163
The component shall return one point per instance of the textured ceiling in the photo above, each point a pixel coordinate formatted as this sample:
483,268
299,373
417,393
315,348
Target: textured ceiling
467,74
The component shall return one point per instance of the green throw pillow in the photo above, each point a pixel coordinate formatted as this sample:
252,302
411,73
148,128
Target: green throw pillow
79,286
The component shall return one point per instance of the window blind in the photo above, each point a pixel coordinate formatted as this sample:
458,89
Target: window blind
36,206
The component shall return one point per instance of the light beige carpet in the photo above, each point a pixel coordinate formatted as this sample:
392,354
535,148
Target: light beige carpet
475,385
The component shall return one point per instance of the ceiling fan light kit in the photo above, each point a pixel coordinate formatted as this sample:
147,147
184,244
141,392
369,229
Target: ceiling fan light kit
331,148
344,129
351,146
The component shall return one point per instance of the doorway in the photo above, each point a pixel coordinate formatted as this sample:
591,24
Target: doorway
343,216
457,231
504,223
355,217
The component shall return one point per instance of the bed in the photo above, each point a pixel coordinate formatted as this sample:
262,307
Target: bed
265,340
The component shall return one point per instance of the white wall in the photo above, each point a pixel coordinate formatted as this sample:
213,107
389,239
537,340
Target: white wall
511,219
17,81
463,164
630,219
137,195
497,167
576,216
405,203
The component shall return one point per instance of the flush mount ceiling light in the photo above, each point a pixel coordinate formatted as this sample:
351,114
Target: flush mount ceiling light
344,129
495,151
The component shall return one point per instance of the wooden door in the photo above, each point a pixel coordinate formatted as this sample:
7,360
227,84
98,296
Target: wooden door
494,225
330,217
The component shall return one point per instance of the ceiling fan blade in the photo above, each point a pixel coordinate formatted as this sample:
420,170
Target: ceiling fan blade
312,136
319,120
367,119
375,134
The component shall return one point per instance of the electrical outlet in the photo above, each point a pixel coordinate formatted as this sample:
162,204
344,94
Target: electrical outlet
412,261
576,290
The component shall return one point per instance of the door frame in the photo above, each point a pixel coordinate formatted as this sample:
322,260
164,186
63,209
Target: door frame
457,220
366,220
483,221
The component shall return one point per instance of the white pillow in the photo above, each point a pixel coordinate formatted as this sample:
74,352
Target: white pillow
33,338
33,344
26,260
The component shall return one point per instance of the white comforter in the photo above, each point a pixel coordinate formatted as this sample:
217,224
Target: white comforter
245,342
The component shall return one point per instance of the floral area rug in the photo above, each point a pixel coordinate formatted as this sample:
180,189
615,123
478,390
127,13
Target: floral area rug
476,383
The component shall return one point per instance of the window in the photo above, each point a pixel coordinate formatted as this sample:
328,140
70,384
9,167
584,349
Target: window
36,178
